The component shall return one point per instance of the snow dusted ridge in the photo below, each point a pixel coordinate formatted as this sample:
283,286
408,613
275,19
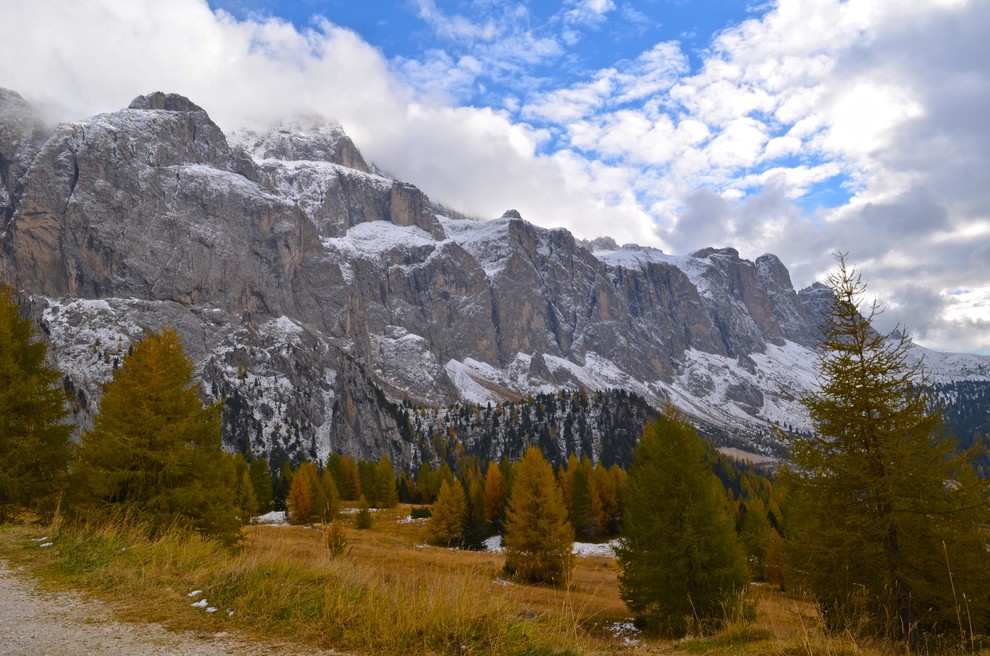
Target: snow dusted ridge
312,292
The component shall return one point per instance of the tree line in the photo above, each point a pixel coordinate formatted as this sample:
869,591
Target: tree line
877,514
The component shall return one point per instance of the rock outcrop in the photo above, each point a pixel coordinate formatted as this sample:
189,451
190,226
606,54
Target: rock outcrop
315,293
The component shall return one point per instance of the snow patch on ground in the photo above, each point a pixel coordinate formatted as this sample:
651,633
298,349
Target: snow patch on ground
494,544
580,549
274,518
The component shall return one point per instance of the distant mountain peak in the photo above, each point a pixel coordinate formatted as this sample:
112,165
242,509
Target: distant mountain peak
312,292
169,102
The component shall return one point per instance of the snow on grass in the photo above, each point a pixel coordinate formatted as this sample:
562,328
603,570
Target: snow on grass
580,549
413,520
591,549
494,544
624,629
274,518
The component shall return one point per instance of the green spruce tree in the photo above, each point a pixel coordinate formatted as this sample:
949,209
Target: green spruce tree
890,523
679,557
34,429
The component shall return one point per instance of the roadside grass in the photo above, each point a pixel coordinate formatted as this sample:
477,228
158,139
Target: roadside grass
389,593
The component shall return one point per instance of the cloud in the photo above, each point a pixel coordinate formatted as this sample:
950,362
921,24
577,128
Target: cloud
456,27
882,103
591,13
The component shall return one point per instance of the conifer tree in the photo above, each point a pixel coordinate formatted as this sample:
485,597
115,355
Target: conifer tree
335,539
34,429
425,477
475,528
155,449
407,488
679,558
890,522
447,516
368,476
281,484
538,538
363,520
755,534
245,498
386,492
575,484
345,476
494,497
261,479
299,502
605,503
332,505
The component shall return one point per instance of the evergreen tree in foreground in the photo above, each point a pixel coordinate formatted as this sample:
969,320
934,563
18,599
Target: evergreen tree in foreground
34,433
154,449
538,538
890,523
679,557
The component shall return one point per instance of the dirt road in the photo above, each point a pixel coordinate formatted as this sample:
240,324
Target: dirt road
35,622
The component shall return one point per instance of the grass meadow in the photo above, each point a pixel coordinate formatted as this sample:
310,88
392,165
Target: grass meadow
389,593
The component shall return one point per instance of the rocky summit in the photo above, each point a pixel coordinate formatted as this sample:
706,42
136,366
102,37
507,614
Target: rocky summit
317,295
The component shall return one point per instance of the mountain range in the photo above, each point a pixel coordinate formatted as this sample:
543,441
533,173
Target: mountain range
329,303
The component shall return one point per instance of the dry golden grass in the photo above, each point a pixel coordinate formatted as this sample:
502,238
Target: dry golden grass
389,593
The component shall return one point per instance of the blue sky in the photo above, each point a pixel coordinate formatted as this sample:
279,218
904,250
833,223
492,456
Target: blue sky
797,127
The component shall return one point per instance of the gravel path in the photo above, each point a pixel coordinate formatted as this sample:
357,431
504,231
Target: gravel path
36,622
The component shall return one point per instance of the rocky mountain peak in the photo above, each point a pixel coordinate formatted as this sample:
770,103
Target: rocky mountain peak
169,102
8,97
313,293
304,139
22,135
601,244
727,253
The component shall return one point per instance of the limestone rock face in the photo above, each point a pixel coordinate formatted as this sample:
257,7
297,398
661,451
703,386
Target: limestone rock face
316,295
151,202
21,137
